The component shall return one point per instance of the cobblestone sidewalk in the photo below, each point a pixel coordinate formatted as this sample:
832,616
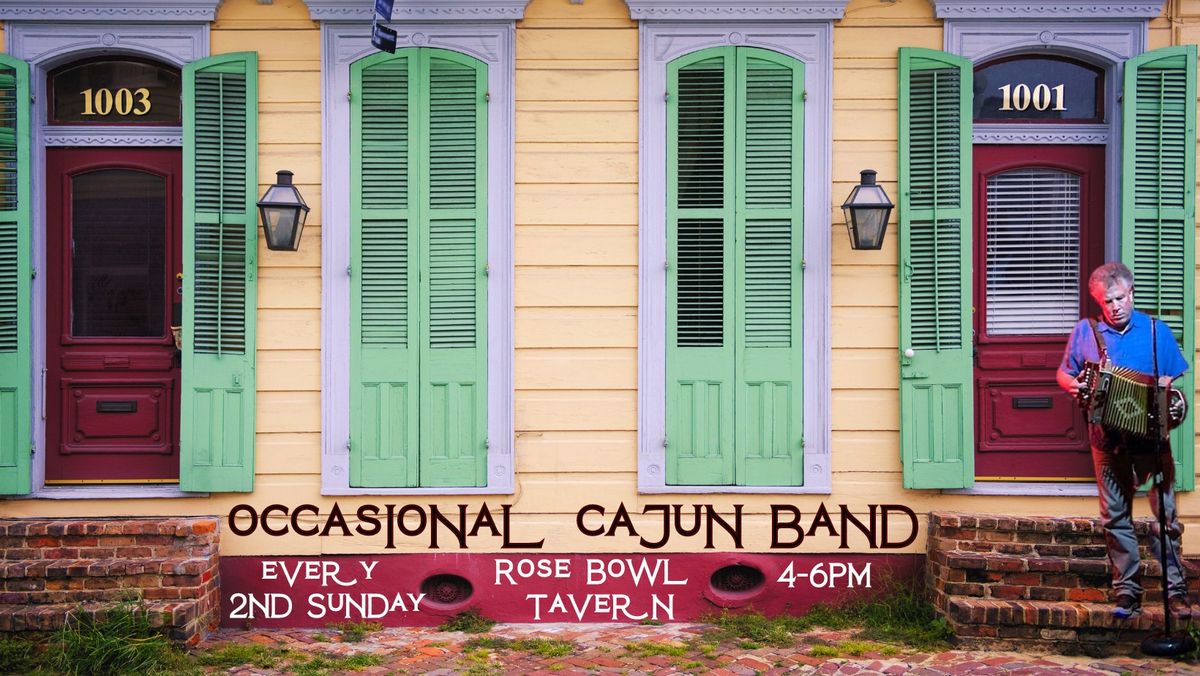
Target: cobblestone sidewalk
665,649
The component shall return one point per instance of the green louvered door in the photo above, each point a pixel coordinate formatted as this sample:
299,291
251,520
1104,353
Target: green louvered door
734,286
16,371
220,160
419,296
1158,208
936,402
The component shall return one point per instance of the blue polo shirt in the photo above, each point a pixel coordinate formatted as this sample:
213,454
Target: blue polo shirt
1130,348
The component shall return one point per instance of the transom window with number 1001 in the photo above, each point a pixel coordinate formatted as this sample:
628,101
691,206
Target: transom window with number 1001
1038,88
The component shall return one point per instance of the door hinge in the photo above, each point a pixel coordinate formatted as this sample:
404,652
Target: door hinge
804,95
487,97
801,441
487,443
349,445
664,441
803,263
32,450
33,273
349,271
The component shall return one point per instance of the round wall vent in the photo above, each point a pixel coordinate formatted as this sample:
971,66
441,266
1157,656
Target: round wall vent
737,580
446,589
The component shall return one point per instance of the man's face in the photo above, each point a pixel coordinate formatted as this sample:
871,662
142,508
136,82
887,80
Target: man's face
1116,302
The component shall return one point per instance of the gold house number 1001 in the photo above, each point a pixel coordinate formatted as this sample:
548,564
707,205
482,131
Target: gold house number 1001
124,101
1040,97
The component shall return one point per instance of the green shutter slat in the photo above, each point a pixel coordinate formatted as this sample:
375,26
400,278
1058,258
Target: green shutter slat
700,150
16,367
454,98
220,98
385,134
700,295
384,264
769,270
221,128
936,405
453,271
770,107
1158,206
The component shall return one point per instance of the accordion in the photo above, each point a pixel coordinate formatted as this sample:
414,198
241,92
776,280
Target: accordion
1118,399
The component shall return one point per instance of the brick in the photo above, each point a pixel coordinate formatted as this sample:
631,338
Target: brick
967,561
1089,595
964,589
1041,565
1023,579
1007,591
1047,594
1007,565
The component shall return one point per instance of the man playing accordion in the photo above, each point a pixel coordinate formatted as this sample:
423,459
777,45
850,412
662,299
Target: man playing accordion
1122,460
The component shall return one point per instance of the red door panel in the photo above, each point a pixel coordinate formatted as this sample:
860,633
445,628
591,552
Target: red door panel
1039,231
113,256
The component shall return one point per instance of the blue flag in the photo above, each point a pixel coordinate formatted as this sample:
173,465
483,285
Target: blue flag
383,9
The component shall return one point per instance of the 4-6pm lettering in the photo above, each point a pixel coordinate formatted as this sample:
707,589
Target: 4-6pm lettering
828,575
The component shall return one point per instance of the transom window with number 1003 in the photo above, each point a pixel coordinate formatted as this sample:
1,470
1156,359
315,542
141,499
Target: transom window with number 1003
115,91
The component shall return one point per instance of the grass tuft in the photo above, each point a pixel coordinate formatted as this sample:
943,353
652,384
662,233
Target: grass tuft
900,615
353,632
122,642
240,654
653,648
468,622
543,647
20,655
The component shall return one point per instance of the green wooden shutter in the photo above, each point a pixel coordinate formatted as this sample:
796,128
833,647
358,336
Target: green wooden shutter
700,269
936,407
769,286
220,159
419,298
1158,207
383,361
16,370
452,180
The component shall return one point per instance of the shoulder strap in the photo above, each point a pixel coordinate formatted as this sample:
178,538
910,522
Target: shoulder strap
1100,346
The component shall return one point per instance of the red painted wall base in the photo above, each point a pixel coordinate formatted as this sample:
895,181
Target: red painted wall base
424,589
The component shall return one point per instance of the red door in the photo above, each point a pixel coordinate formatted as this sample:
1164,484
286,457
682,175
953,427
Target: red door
114,260
1039,231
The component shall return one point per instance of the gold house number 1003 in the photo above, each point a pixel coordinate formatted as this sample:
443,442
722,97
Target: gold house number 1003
124,101
1040,97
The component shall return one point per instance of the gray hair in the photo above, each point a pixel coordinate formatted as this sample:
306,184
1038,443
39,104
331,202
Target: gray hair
1109,275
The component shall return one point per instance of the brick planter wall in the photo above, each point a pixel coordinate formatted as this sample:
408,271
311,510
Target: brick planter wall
49,567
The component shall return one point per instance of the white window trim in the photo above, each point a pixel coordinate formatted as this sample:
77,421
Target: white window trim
1102,32
661,42
341,45
177,39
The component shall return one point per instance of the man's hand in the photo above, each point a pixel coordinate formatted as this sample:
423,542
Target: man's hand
1071,384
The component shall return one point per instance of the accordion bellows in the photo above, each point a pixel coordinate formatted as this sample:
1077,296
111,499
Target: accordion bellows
1118,399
